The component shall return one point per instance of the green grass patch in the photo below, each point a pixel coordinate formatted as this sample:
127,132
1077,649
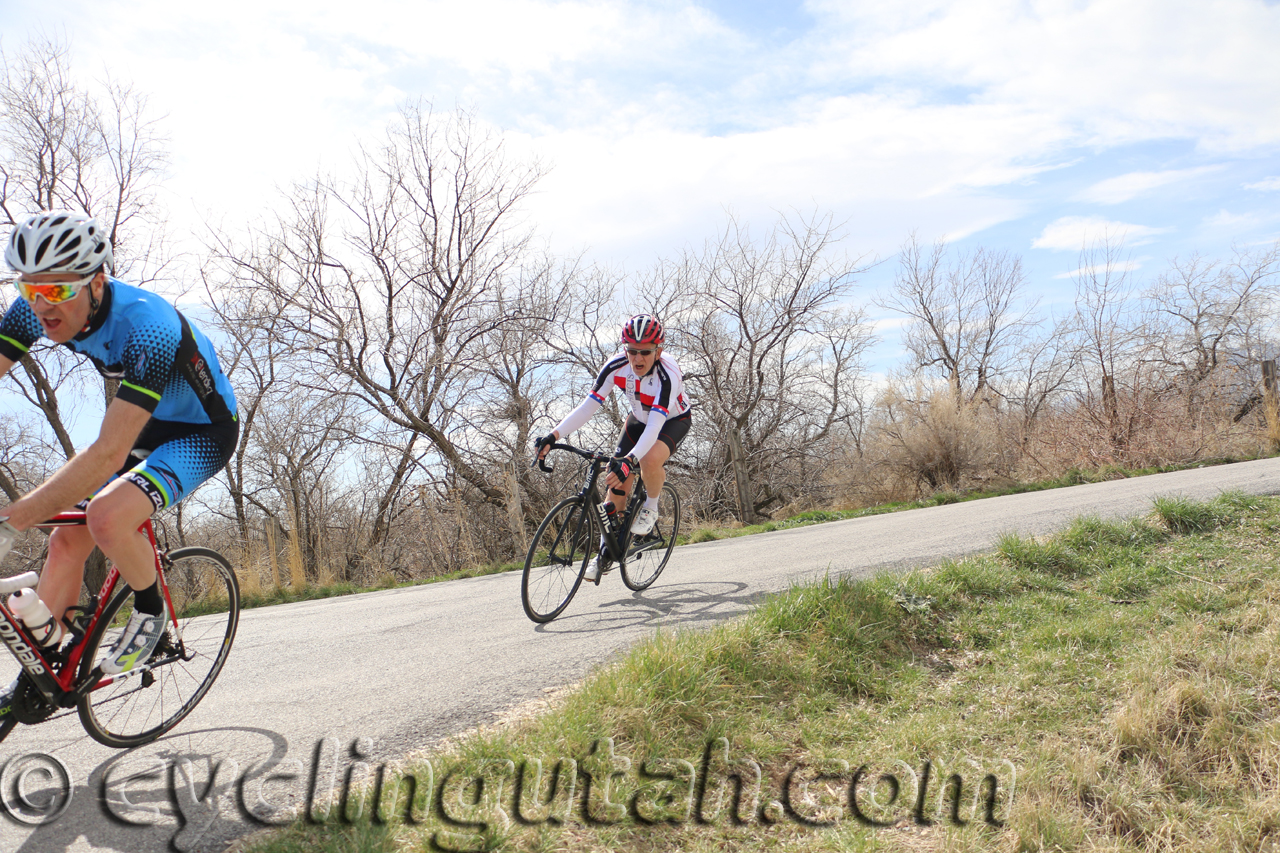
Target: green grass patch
1120,683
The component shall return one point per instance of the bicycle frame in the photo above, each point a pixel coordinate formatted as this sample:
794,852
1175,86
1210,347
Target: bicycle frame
617,542
59,687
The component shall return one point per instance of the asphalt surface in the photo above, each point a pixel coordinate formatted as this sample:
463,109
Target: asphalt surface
317,690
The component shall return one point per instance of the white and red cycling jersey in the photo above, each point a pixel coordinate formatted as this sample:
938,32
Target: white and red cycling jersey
657,396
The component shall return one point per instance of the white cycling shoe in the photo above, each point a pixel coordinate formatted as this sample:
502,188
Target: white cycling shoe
134,647
645,519
597,567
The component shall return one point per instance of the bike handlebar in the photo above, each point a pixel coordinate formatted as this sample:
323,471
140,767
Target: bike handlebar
27,580
589,455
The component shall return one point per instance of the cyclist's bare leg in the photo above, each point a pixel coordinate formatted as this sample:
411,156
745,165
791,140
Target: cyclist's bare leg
653,467
114,516
63,572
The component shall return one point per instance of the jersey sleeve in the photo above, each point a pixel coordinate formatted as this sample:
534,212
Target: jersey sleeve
601,388
578,416
649,437
148,359
603,385
18,330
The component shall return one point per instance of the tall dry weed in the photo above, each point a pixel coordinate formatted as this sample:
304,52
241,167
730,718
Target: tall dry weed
935,442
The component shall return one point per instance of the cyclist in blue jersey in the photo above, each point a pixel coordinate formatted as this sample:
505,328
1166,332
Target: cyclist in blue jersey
171,426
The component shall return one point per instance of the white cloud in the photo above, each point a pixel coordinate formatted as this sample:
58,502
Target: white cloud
1266,184
1125,187
657,115
1072,233
1233,221
1120,267
1113,70
878,160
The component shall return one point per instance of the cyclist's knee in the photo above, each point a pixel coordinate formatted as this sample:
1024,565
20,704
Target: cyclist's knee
69,546
117,512
653,464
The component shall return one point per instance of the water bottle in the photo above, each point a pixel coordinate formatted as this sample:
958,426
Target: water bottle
45,630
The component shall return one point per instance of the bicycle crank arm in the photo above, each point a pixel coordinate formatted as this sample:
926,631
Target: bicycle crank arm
647,545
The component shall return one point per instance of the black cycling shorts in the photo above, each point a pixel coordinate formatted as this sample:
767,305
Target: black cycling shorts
671,434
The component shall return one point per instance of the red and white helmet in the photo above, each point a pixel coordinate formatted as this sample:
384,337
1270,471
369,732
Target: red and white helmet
643,329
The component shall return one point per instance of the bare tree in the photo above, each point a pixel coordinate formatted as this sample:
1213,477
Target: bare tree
1209,326
397,287
1040,374
62,147
1109,340
964,316
772,357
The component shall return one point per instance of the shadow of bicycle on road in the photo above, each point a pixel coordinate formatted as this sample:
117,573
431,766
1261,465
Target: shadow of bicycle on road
677,605
176,793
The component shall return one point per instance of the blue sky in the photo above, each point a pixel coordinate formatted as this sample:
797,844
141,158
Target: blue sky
1024,125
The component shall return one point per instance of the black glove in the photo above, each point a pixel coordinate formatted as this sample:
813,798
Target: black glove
543,440
623,467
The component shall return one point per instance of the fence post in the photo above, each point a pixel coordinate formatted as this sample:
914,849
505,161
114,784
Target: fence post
1270,407
738,457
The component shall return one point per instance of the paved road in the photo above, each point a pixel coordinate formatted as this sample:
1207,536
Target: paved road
405,668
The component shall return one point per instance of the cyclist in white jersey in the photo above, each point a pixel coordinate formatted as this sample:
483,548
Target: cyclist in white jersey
658,422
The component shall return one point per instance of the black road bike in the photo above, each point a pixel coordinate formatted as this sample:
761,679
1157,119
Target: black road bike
569,538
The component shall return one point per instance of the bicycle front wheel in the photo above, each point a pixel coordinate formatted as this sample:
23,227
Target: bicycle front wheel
565,541
139,706
647,555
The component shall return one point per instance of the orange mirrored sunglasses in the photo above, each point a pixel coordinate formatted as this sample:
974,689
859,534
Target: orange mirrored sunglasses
52,291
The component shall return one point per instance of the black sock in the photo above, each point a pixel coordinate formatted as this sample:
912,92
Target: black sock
148,600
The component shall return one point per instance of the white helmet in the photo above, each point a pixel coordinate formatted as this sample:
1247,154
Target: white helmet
58,241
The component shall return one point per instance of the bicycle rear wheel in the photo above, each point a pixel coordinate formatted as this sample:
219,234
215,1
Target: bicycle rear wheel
142,704
558,556
647,555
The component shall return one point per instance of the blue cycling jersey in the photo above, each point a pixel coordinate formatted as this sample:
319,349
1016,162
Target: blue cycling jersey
164,364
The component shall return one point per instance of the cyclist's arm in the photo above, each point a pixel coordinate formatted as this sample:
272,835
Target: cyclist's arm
649,437
658,413
579,416
5,364
602,388
87,471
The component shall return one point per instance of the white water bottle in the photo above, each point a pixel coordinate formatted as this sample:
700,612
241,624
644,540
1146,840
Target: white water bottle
33,612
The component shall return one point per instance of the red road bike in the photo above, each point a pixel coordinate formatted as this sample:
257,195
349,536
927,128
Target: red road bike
135,707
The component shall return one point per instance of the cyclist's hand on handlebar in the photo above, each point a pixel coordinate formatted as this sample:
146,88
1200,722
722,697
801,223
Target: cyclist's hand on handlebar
543,443
623,467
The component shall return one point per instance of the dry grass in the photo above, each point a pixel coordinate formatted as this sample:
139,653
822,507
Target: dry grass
1148,722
